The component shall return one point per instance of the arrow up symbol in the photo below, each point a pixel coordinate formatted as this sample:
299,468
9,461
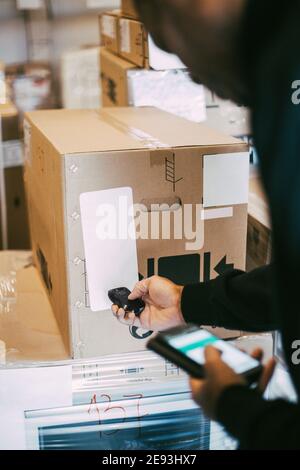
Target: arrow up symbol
222,266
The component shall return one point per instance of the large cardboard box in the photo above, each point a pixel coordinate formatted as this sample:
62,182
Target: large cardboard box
109,30
162,158
171,90
259,237
128,9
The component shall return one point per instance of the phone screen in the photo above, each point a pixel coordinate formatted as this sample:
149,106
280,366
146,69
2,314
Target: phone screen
193,344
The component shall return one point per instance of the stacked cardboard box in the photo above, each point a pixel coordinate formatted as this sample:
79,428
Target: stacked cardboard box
132,67
14,219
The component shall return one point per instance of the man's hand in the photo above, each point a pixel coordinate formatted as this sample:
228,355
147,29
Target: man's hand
163,305
205,34
220,376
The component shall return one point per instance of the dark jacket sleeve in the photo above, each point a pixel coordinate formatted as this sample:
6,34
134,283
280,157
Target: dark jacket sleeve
236,300
258,424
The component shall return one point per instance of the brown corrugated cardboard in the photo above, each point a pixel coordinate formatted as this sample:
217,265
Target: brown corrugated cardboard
109,30
133,42
10,121
137,46
259,237
158,155
128,9
114,83
16,210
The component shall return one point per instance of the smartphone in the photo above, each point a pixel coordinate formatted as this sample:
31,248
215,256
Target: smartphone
119,297
184,346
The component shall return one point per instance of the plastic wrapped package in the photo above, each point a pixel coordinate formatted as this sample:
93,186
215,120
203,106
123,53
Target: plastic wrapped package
47,401
172,91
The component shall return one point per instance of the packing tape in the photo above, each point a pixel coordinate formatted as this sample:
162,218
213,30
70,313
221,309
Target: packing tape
161,153
148,141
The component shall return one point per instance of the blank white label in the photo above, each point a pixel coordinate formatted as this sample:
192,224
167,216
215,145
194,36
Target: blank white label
109,242
125,36
226,179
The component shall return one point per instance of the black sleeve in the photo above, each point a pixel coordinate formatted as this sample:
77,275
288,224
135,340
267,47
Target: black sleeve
236,300
259,424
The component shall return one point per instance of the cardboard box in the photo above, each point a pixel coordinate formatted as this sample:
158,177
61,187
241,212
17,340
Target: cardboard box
128,9
259,237
9,121
16,210
171,90
114,79
109,30
162,158
133,42
137,46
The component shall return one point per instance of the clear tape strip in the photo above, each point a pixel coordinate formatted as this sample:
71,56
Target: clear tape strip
147,140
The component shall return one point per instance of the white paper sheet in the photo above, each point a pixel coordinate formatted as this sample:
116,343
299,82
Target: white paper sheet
112,261
30,389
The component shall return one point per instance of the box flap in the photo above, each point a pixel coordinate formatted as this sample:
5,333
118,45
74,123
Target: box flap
117,129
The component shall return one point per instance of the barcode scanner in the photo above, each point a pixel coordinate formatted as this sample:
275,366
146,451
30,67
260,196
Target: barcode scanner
120,296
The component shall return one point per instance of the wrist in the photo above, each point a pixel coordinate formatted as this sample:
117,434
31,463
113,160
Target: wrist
179,290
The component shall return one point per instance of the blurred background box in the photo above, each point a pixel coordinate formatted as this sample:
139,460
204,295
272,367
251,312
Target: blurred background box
109,30
128,9
80,73
9,121
29,86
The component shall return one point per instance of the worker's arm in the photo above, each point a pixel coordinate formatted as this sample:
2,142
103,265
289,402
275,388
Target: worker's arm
257,423
235,300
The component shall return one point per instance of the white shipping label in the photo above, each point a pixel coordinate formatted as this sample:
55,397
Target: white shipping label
13,153
109,243
108,26
125,36
226,179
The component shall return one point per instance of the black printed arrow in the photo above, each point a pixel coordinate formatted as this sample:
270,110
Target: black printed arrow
222,266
